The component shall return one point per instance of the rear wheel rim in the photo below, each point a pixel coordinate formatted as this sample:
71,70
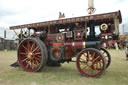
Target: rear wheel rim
90,63
30,55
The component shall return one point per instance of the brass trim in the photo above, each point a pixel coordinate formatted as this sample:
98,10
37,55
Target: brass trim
84,44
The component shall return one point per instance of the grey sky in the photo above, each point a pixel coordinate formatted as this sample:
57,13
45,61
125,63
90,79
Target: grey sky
16,12
120,1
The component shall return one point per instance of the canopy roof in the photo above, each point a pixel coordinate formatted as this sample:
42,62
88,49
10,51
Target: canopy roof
98,18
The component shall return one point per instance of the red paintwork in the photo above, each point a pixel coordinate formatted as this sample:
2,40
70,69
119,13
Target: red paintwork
35,34
69,48
104,34
77,44
57,44
69,45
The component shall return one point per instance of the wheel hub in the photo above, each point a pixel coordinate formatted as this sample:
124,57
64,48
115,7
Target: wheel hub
89,63
29,56
57,54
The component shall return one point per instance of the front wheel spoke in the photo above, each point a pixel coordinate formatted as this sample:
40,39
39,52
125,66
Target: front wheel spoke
101,64
88,53
83,63
88,70
84,67
95,68
84,55
96,59
98,65
93,55
91,70
83,60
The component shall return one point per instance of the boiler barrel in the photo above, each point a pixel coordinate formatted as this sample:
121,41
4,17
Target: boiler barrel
82,44
93,44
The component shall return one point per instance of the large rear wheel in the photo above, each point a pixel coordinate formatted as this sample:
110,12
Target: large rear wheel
32,54
91,63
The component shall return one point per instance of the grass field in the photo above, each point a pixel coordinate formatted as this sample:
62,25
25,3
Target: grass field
67,74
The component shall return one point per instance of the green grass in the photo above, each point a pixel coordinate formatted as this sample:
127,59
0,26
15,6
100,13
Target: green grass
67,74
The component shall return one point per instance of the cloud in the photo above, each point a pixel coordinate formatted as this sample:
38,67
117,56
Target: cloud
4,13
14,12
17,12
120,1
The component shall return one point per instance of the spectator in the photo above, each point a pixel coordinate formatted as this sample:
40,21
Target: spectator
126,53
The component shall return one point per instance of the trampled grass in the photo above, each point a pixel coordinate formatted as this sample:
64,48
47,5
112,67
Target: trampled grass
67,74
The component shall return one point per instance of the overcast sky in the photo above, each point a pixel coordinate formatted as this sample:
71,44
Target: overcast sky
17,12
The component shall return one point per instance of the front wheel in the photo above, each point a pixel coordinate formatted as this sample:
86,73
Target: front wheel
107,56
32,54
91,63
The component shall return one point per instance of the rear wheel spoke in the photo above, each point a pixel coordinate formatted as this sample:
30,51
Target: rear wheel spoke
29,46
39,53
32,46
37,63
37,58
32,64
25,48
27,65
23,53
24,60
35,49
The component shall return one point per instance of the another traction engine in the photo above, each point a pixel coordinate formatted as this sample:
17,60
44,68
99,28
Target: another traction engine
61,40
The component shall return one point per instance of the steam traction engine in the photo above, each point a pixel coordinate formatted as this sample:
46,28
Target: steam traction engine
61,40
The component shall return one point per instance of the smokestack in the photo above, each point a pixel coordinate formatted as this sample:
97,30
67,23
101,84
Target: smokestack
90,4
91,8
123,29
4,33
